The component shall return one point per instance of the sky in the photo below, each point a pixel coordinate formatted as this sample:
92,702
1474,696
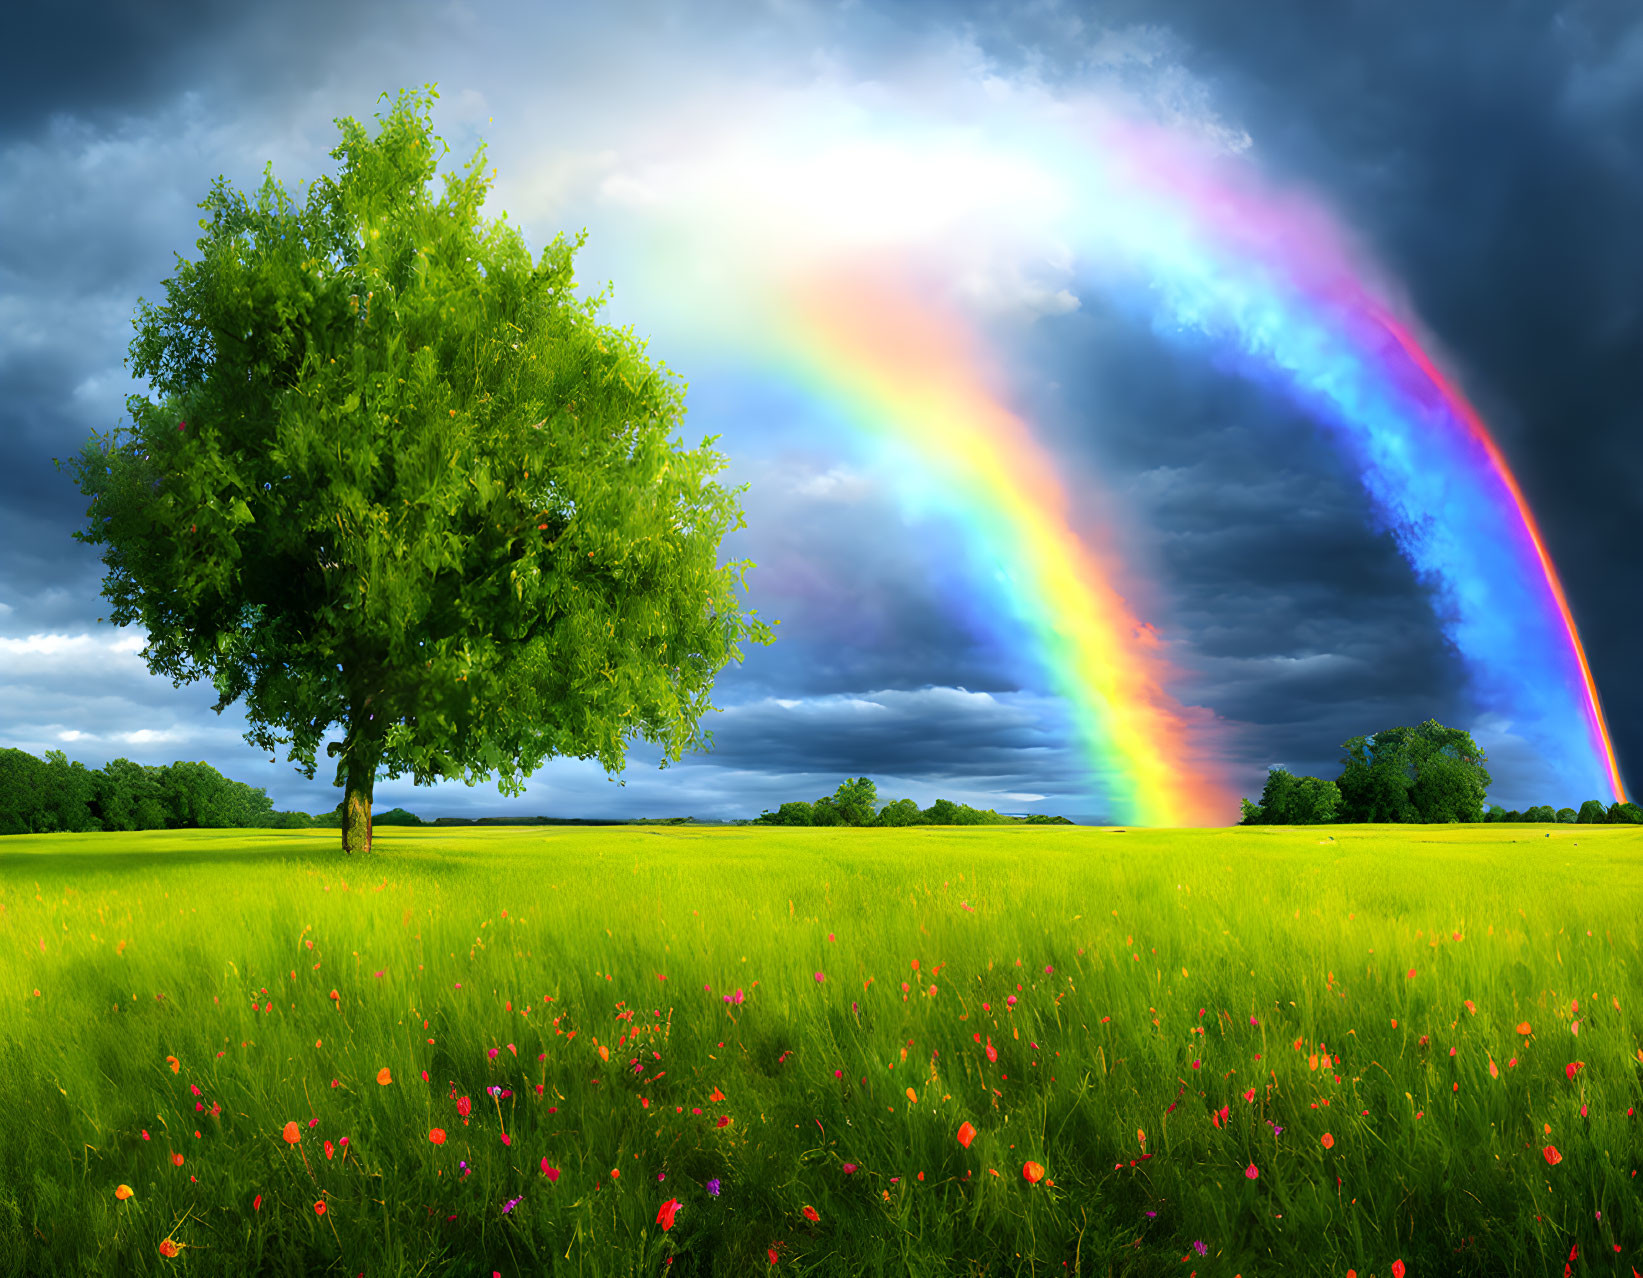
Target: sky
1128,525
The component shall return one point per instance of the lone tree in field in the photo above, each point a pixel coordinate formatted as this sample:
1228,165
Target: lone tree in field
401,480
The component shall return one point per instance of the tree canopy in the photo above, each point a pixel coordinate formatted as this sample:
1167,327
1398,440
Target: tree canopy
399,479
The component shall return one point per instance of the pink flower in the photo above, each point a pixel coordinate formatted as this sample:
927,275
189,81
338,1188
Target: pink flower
849,1168
1250,1172
820,978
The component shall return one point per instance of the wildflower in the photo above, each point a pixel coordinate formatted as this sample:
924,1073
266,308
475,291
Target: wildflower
256,1203
912,1095
122,1192
330,1149
849,1169
664,1215
1523,1028
437,1136
493,1052
1572,1068
1397,1269
174,1063
177,1159
1553,1158
966,1134
811,1214
384,1077
820,977
168,1249
552,1173
464,1106
1199,1246
1328,1141
1250,1172
1010,1002
510,1205
724,1121
1033,1172
713,1186
319,1209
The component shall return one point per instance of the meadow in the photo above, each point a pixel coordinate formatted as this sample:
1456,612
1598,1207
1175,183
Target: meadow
1370,1051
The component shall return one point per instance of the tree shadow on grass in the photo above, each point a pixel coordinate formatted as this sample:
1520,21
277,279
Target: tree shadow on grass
25,857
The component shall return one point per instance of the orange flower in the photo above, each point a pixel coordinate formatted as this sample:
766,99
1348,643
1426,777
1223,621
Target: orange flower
293,1133
1523,1028
912,1095
168,1248
1329,1141
811,1214
384,1077
966,1134
319,1209
173,1062
717,1095
1552,1156
1033,1172
437,1135
177,1159
122,1192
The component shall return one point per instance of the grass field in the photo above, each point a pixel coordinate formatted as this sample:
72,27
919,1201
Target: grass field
1269,1051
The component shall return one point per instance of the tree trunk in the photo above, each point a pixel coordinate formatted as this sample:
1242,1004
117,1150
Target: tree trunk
361,751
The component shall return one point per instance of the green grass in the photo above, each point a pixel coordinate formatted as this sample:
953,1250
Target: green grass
1159,976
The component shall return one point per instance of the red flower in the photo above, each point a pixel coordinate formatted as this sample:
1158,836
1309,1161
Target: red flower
177,1159
1573,1068
437,1135
1552,1156
168,1248
966,1134
552,1173
1397,1269
464,1106
724,1121
811,1214
1033,1172
256,1203
319,1209
664,1217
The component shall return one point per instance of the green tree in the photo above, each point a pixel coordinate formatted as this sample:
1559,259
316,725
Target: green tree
856,799
1430,773
1627,813
68,792
980,816
797,812
825,812
128,796
1514,815
1567,816
397,816
1592,812
899,813
942,812
399,479
1314,801
1251,813
1540,812
1275,796
1495,813
22,792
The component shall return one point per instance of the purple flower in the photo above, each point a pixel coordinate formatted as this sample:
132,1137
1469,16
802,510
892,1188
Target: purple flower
713,1186
1200,1248
1152,1214
509,1205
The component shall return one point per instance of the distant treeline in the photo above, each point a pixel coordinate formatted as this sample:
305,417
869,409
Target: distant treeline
52,795
1429,774
855,802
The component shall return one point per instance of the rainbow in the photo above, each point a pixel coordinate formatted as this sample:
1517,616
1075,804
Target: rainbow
1277,281
842,291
